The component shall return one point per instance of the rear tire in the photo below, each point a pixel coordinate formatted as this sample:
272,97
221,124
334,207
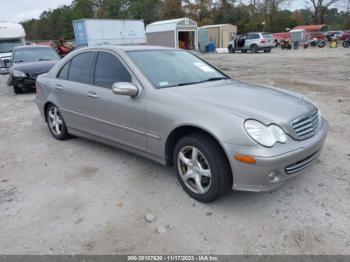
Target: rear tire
267,50
209,160
55,123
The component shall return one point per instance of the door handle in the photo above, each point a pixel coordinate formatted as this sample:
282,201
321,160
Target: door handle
92,94
59,87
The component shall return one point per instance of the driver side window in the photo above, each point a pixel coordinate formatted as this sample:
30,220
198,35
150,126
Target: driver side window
110,70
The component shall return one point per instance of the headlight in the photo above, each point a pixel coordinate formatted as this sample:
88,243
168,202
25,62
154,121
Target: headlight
265,135
18,73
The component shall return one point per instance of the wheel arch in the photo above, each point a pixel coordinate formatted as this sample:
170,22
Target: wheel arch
181,131
46,105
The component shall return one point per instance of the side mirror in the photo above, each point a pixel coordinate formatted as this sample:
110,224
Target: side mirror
125,89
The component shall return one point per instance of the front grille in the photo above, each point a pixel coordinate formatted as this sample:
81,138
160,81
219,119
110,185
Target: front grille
5,62
306,126
298,166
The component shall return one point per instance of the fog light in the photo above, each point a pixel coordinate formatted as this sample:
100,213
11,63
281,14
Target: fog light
273,177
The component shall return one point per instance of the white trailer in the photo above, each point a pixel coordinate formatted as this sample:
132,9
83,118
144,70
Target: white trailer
97,32
11,35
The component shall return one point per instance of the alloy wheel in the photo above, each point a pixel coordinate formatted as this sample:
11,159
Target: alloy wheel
55,121
194,169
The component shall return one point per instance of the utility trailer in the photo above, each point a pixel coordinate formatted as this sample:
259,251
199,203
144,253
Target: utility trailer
97,32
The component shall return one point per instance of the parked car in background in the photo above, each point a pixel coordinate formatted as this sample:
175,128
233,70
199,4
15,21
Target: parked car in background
316,35
331,35
11,35
27,63
226,134
345,35
253,42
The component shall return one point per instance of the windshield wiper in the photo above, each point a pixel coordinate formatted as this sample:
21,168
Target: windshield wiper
213,79
44,59
198,82
19,61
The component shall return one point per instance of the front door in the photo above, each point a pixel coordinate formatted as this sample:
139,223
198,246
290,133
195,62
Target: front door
116,118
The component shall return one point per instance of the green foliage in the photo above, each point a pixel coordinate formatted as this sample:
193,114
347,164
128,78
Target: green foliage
247,15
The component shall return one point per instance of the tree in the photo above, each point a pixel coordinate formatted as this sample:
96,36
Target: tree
319,9
172,9
271,9
199,10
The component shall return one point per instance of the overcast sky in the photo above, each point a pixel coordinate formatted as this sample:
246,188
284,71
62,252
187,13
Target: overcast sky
19,10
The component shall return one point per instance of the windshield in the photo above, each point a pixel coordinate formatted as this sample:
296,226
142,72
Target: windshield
34,54
167,68
7,46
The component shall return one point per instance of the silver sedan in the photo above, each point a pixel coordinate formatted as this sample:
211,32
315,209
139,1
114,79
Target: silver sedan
171,106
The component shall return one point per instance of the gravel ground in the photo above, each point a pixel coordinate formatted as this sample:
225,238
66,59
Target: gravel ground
81,197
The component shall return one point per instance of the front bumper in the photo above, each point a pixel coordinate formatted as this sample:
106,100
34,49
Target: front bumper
23,82
4,70
282,162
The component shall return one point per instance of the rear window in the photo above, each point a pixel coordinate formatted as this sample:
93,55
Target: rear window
80,66
267,35
63,74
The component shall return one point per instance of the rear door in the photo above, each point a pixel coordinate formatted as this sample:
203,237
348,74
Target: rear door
115,117
73,83
252,38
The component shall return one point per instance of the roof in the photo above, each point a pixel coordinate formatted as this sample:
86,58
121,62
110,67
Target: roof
218,25
311,28
129,48
170,25
171,21
32,47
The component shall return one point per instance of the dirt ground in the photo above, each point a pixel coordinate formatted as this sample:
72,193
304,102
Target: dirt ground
81,197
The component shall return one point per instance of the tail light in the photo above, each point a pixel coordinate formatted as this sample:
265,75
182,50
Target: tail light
262,42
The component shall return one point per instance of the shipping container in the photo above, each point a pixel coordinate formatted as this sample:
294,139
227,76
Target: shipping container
96,32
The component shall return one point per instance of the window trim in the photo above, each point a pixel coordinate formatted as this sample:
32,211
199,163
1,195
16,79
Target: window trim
133,78
61,68
93,52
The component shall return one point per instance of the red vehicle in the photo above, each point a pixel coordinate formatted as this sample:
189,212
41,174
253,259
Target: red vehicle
314,31
345,35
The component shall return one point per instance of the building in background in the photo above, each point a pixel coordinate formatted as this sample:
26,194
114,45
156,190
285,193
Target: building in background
221,34
177,33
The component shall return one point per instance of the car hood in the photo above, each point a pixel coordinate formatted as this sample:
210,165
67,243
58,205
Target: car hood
266,104
34,67
5,55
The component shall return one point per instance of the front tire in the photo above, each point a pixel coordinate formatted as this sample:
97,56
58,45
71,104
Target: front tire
254,48
231,49
17,90
56,123
346,44
202,168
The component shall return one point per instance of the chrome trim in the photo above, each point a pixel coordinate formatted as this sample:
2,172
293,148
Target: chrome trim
137,131
306,125
298,166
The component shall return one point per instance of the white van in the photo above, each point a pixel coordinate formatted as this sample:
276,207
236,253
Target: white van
11,35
